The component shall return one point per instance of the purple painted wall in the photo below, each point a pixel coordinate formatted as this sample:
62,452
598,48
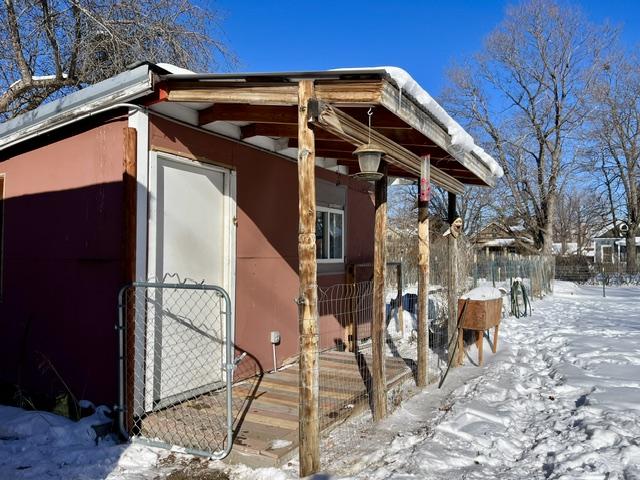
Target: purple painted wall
62,264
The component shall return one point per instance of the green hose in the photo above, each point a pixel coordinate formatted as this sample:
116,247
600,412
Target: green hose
517,289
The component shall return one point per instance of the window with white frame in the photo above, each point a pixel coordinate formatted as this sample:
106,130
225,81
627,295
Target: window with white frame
329,235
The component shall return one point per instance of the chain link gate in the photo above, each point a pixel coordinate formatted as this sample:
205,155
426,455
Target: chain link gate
176,362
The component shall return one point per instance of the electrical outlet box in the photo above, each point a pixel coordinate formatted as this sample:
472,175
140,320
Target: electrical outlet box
275,337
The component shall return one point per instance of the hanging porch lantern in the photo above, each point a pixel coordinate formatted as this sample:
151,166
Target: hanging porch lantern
369,157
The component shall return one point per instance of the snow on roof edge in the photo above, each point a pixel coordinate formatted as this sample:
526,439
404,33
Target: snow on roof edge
460,139
169,67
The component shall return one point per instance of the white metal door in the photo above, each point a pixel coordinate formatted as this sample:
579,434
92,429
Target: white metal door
190,240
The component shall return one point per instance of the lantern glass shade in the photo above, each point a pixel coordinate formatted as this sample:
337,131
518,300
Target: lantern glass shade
369,161
369,157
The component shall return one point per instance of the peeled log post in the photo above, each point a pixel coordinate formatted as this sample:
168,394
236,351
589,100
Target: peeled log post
378,383
309,426
452,251
423,275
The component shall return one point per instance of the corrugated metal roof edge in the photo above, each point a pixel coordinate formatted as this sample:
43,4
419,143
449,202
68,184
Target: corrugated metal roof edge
117,89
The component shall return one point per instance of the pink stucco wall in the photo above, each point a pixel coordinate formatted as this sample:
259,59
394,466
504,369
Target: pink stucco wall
62,264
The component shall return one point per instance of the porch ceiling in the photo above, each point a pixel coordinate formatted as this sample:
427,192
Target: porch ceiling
262,110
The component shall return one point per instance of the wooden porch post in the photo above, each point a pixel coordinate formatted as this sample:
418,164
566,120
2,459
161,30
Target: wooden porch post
379,387
130,186
452,250
423,274
309,422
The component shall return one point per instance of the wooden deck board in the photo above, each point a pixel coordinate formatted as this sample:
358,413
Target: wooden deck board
266,408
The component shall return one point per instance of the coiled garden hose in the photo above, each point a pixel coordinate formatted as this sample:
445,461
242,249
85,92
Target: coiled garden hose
517,289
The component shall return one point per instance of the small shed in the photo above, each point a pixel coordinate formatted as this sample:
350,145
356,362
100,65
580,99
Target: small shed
242,180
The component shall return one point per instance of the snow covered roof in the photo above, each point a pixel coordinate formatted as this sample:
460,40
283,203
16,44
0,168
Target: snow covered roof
499,242
460,139
456,159
606,229
571,248
624,241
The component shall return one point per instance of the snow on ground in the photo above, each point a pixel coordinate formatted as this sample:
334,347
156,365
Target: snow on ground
560,399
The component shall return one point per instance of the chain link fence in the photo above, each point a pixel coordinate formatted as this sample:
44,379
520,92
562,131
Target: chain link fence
583,270
176,366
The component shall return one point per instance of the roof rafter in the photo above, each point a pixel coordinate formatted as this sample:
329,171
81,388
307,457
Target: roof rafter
288,114
349,129
399,109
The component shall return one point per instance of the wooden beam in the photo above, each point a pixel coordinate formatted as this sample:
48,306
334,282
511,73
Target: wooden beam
337,145
309,427
276,94
280,130
423,273
272,93
242,112
288,115
408,137
405,108
381,118
130,186
402,110
378,384
343,126
341,154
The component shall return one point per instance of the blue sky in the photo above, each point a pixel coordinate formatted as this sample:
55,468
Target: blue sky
423,37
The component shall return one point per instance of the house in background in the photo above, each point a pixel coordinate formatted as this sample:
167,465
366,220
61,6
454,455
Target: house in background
499,239
610,244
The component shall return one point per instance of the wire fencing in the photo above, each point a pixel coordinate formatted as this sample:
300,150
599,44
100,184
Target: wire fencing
582,270
345,318
346,314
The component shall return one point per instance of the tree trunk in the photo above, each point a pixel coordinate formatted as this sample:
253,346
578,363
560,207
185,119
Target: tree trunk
547,229
632,254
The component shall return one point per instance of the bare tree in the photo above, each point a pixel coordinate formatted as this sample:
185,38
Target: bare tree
474,206
580,214
49,46
524,96
616,132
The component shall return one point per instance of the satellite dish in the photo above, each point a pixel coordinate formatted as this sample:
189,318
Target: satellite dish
624,227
